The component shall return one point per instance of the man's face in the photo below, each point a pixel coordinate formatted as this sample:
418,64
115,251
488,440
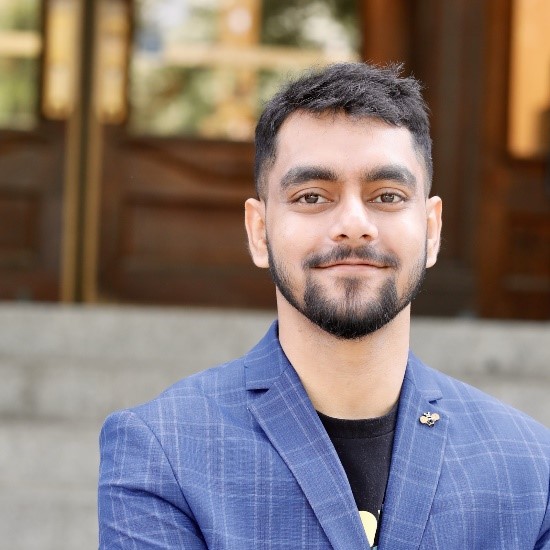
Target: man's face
345,227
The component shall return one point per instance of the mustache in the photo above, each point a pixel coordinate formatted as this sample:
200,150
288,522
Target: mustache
366,253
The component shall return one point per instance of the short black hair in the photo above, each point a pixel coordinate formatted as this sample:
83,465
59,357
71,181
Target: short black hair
355,89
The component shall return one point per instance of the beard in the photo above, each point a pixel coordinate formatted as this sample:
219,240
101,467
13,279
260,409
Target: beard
353,316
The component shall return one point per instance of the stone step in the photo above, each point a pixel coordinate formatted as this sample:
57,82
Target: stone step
82,363
48,480
52,519
59,389
204,337
43,454
109,332
73,362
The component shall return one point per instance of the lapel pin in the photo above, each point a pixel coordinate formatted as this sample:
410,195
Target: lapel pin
429,418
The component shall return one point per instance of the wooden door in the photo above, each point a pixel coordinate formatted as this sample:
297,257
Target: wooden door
514,216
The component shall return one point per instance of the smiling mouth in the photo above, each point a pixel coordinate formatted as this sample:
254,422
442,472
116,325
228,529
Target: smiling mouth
343,257
352,265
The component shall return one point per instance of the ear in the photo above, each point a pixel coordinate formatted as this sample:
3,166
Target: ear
254,219
433,232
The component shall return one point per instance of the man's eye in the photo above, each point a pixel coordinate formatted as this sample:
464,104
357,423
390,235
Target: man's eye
311,198
388,198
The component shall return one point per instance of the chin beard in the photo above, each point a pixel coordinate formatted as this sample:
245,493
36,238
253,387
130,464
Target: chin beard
352,317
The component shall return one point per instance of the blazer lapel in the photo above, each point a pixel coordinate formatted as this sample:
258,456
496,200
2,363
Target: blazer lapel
417,458
289,420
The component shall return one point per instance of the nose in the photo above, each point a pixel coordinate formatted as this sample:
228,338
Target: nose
353,223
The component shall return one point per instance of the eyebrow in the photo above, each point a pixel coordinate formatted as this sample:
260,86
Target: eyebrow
391,172
303,174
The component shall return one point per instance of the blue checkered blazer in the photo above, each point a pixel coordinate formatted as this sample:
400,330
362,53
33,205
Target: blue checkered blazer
236,458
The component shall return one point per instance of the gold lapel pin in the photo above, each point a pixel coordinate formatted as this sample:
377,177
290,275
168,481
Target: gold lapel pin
429,418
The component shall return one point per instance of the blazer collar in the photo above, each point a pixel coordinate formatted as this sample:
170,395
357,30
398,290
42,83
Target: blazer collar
289,420
417,459
266,361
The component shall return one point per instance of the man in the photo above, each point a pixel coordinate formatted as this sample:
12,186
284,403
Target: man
329,433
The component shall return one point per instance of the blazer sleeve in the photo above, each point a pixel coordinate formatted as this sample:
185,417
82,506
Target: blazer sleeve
140,503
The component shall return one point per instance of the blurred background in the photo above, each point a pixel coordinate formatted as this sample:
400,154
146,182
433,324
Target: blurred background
126,142
125,158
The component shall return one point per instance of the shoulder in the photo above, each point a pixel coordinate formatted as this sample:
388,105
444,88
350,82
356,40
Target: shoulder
209,405
190,403
475,415
198,393
494,455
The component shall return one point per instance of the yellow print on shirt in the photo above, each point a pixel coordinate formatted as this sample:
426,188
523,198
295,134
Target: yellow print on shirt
370,524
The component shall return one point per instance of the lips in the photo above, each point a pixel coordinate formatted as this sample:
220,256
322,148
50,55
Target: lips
357,263
364,256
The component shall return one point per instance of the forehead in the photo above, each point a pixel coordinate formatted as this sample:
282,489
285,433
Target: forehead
343,143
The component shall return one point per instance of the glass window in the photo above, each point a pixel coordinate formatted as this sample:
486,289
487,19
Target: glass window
20,47
529,105
204,67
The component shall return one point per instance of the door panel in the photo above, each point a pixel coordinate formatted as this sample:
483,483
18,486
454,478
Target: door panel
446,41
176,209
31,190
513,251
31,162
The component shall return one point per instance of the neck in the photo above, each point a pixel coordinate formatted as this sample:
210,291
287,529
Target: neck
350,379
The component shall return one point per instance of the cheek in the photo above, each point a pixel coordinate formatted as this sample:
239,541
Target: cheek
293,237
281,245
407,240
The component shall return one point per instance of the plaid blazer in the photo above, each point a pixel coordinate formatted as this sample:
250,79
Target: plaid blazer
236,458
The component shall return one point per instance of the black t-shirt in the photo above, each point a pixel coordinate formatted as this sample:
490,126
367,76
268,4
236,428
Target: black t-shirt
364,448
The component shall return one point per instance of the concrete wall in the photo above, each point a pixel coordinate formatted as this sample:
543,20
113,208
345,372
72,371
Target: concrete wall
63,369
